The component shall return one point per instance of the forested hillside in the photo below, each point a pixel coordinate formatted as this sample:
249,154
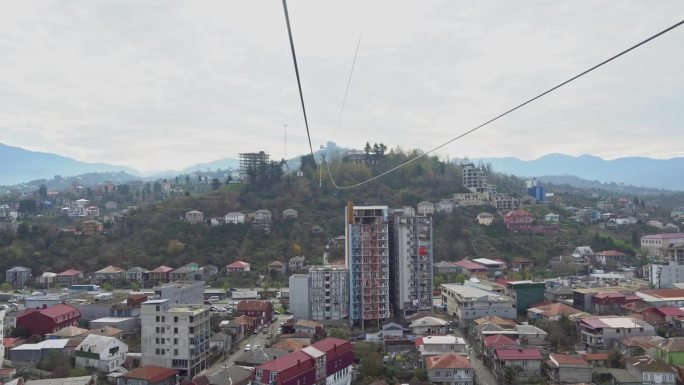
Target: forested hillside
155,234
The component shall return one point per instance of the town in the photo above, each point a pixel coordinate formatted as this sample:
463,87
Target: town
375,308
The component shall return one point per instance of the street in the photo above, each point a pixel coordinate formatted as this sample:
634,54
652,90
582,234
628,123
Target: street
483,376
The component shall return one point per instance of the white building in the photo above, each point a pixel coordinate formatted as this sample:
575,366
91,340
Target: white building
299,296
429,325
471,199
434,345
175,336
425,208
670,268
602,333
235,217
445,206
411,264
181,293
653,244
104,353
328,293
466,303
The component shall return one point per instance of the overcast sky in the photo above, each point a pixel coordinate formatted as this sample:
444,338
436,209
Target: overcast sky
164,84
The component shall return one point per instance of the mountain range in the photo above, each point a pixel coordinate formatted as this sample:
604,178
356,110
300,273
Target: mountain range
21,165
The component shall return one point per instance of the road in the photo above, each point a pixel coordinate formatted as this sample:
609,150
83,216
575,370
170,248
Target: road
483,376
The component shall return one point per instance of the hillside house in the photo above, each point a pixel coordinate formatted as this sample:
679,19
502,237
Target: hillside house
235,217
552,312
445,206
450,368
277,266
18,276
471,268
194,217
262,218
670,351
529,360
68,277
650,370
238,266
137,274
551,218
91,227
425,208
160,273
428,326
110,273
92,211
434,345
600,333
518,220
485,219
610,258
289,214
583,254
296,263
261,310
565,369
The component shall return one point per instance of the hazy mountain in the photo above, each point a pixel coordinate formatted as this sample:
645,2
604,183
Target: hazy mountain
222,164
20,166
637,171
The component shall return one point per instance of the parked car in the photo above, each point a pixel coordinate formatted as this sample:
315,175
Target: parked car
248,347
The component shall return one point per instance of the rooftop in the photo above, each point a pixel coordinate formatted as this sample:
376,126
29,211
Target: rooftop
664,236
470,265
656,295
448,361
648,364
474,292
498,340
566,360
614,322
518,354
487,261
428,321
151,373
443,340
674,344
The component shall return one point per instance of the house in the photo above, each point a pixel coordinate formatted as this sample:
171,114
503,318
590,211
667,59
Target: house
450,368
296,263
428,326
106,354
237,266
583,254
137,274
671,351
497,341
92,227
277,267
241,326
494,266
520,264
219,341
231,375
596,360
18,276
650,370
68,332
485,219
111,205
446,268
31,354
92,211
445,206
518,220
259,356
639,345
160,273
600,333
185,273
552,312
308,327
434,345
551,218
261,310
564,369
662,316
208,271
194,217
234,217
290,344
289,214
425,208
527,362
108,331
110,273
293,368
48,319
339,356
392,330
559,294
262,219
68,277
610,258
471,268
149,375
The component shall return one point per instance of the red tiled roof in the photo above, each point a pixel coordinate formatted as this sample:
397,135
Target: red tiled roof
562,359
53,311
612,253
517,354
288,361
448,361
595,356
71,272
12,341
609,295
669,311
162,269
243,320
664,293
151,373
238,264
518,213
332,344
498,340
254,305
290,344
470,265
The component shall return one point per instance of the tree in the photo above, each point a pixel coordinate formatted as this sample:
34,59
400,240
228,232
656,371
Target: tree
42,192
6,287
510,375
28,206
296,249
215,184
367,148
135,286
615,359
107,286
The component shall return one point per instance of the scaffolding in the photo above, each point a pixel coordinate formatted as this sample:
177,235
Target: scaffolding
251,161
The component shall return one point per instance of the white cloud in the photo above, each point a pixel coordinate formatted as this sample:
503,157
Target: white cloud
163,84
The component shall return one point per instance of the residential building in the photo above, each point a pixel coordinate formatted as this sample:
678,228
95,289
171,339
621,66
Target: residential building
194,217
262,219
106,354
551,218
670,351
600,333
191,293
48,319
494,266
662,297
528,362
583,254
241,326
467,303
110,273
206,272
520,264
137,274
261,310
259,356
639,345
18,276
187,272
474,178
339,356
68,277
610,258
435,345
650,370
308,327
445,206
392,330
518,220
504,202
47,279
552,312
231,375
653,244
91,227
564,369
296,263
446,268
300,297
485,219
471,199
278,267
238,266
289,214
250,163
410,262
175,336
669,268
559,294
367,256
525,294
425,208
149,375
160,273
429,325
471,268
234,217
450,368
32,354
328,293
292,368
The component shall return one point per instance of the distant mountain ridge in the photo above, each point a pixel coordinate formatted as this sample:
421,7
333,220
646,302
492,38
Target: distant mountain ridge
20,165
637,171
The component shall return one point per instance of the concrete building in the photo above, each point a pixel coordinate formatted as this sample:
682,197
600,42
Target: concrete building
299,296
367,255
602,333
181,293
48,319
435,345
296,263
234,218
250,162
175,336
425,208
653,244
651,371
528,360
411,257
450,368
564,369
466,303
471,199
668,270
194,217
525,294
106,354
328,293
429,325
18,276
473,178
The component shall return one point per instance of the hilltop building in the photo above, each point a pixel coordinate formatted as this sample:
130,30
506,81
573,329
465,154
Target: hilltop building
251,161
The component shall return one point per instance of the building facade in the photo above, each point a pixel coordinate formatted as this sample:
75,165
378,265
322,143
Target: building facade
18,276
181,293
299,296
466,303
367,255
175,336
328,293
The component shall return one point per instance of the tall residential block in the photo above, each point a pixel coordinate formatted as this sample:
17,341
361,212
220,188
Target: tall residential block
411,264
251,161
299,296
367,256
175,336
329,292
473,178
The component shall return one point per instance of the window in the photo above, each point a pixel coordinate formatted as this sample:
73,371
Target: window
163,319
156,318
175,330
438,374
175,341
273,377
175,352
175,319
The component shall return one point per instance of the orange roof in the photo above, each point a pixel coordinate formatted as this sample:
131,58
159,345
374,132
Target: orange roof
290,344
448,361
556,309
151,373
562,359
595,356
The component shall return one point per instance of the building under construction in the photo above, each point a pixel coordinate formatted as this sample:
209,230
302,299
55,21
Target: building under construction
251,161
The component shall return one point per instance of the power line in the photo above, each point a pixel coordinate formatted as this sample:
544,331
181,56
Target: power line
299,83
346,91
504,113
